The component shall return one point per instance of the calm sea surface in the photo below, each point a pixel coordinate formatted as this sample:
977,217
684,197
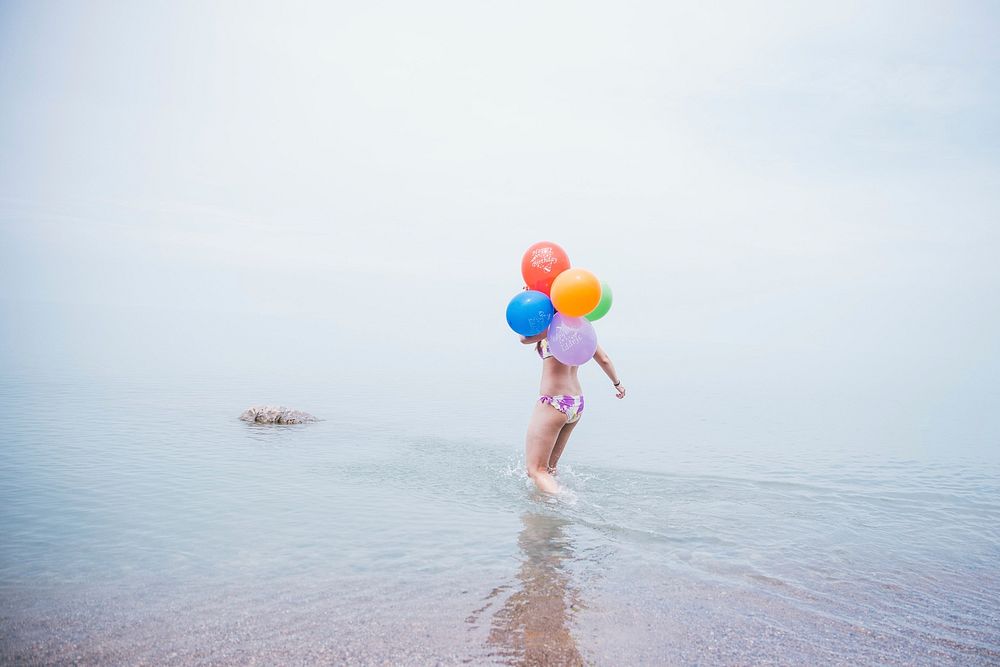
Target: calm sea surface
142,522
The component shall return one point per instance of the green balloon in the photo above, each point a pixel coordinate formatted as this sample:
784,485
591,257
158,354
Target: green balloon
603,306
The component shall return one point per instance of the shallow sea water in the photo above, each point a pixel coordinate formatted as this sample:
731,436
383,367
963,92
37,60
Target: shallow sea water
144,524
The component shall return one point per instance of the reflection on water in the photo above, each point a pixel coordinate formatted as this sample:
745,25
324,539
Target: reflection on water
533,626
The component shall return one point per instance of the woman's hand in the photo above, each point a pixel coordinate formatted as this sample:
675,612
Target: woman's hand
602,358
528,340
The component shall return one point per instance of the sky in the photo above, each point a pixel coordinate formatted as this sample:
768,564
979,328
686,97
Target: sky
797,204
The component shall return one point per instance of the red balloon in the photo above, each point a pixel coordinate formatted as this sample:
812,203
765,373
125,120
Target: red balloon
541,263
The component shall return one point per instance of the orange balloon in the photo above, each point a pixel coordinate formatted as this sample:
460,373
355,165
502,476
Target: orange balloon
576,292
541,263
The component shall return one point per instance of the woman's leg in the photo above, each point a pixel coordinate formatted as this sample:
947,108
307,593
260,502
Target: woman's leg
561,441
543,429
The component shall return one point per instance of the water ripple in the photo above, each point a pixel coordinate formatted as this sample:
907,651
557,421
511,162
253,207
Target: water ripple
139,534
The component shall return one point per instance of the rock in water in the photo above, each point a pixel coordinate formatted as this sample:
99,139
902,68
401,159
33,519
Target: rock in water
270,414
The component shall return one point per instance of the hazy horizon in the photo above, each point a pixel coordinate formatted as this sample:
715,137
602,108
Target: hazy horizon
797,206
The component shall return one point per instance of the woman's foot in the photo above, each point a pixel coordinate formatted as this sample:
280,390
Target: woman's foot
545,482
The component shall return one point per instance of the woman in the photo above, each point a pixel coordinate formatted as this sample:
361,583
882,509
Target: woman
557,411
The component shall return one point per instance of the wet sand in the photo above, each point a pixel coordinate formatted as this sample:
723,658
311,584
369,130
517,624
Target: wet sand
550,612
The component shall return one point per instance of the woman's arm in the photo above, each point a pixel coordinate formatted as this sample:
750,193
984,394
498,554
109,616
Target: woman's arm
528,340
604,361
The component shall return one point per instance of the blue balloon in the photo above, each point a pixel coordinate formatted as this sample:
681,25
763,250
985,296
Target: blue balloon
530,312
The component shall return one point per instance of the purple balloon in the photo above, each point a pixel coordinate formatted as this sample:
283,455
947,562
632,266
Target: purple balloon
572,340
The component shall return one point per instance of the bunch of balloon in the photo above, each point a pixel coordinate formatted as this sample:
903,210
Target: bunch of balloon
560,299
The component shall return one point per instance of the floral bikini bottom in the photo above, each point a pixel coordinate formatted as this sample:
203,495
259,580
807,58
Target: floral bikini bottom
571,406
